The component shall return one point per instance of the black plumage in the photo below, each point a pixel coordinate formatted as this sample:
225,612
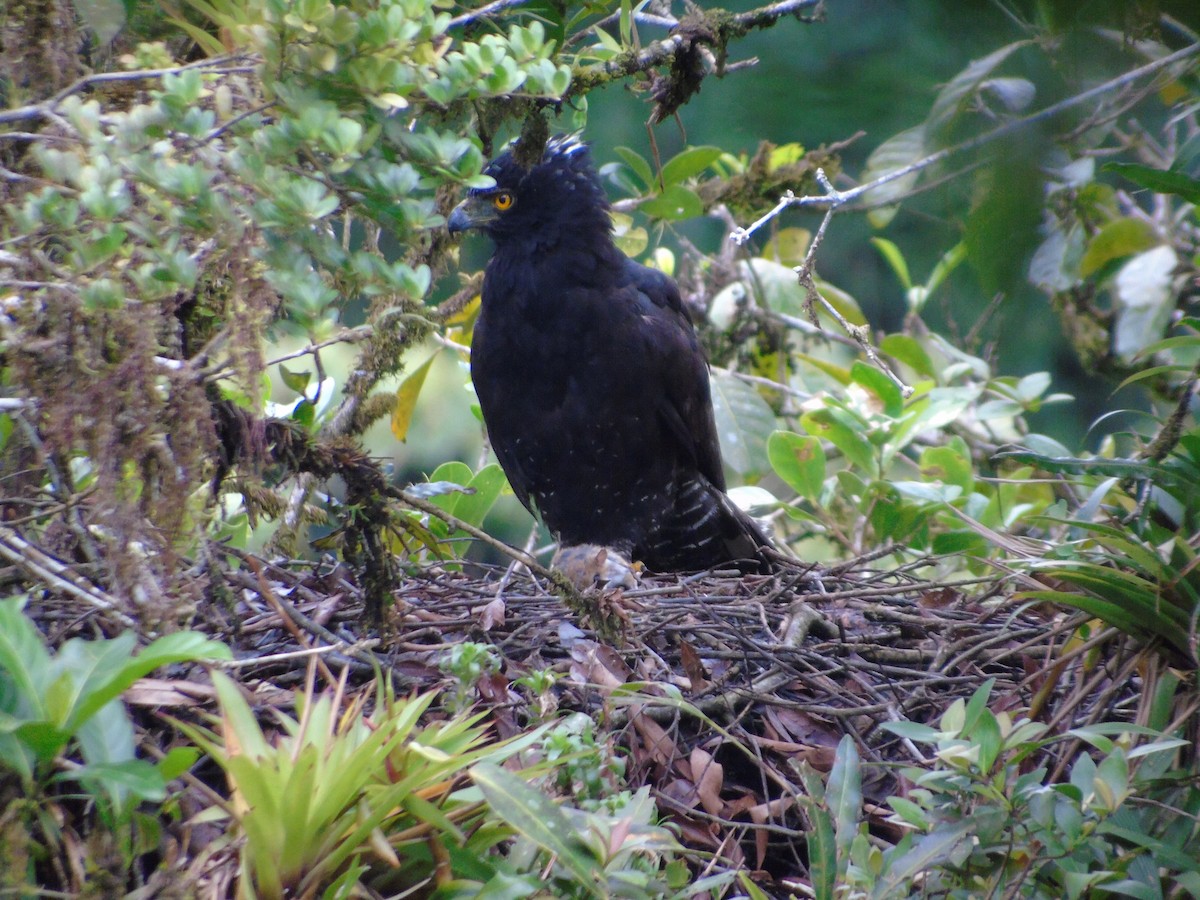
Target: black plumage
593,386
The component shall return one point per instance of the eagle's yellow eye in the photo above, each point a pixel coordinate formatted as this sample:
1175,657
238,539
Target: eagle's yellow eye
503,201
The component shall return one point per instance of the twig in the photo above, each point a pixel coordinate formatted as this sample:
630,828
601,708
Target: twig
288,617
837,199
58,575
339,647
832,200
484,11
663,51
46,108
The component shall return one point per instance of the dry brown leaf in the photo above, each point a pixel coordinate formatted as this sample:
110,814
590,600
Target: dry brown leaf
709,777
697,834
693,667
801,727
167,694
492,615
658,744
597,664
762,814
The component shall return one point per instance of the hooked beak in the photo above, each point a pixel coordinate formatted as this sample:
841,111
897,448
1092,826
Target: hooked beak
473,212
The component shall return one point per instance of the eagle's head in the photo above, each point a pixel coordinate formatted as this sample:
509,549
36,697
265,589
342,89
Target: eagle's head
559,196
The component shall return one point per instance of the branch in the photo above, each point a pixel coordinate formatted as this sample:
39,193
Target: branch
46,108
663,51
766,16
833,200
804,272
484,11
56,575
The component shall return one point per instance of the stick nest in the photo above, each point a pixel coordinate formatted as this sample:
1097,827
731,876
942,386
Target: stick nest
756,676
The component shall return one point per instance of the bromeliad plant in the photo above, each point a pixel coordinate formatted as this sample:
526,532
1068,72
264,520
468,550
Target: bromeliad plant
1132,550
337,795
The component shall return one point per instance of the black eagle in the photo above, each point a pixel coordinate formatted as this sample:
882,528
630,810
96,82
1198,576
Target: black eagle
593,386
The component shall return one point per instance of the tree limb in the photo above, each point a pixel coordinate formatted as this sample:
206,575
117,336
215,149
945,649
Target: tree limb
837,199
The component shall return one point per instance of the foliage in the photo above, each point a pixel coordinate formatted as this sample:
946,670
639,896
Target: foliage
466,663
54,705
337,792
982,817
179,224
563,852
72,697
585,769
1138,571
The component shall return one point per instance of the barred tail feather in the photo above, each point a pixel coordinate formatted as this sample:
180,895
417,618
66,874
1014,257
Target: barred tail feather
706,529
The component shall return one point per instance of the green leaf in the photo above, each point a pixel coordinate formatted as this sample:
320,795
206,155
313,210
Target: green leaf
449,481
107,735
112,673
891,253
822,852
1111,783
297,381
1158,180
1119,238
946,264
986,734
954,98
845,434
888,399
24,657
488,483
744,422
406,399
788,246
948,465
640,167
784,155
799,460
675,203
913,731
1131,621
926,854
688,163
907,350
134,777
897,152
537,818
177,761
843,795
910,812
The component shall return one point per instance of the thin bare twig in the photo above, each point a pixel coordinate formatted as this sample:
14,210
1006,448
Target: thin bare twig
45,109
57,575
834,200
484,11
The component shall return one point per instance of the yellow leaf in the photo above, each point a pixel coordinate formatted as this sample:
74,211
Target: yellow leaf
406,399
466,314
789,245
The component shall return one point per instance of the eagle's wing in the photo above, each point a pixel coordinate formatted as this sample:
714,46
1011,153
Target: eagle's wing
685,404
